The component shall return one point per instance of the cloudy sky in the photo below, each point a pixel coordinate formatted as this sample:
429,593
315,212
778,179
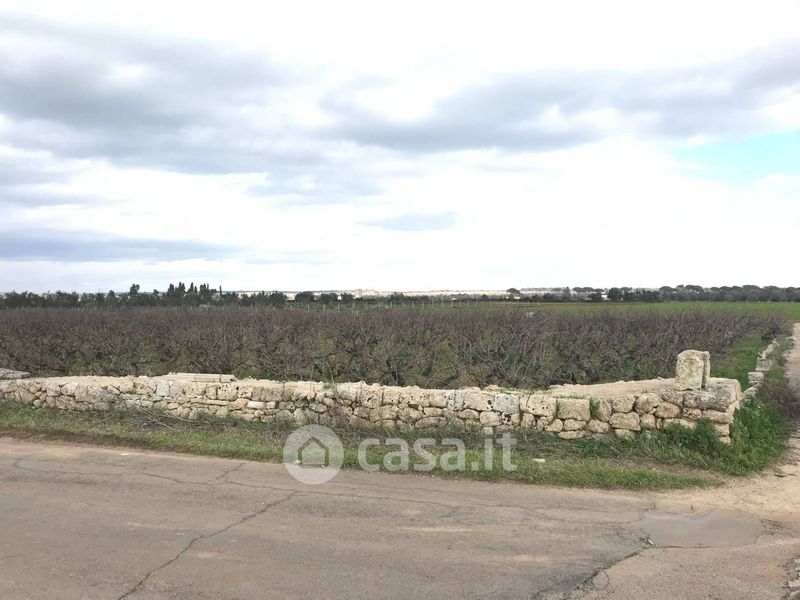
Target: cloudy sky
429,145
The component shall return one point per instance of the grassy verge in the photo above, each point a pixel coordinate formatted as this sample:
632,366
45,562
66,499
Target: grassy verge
758,438
568,463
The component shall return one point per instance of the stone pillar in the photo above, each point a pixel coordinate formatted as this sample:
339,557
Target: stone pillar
693,370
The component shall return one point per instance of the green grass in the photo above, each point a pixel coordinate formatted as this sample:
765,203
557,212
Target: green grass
758,438
566,463
788,309
740,359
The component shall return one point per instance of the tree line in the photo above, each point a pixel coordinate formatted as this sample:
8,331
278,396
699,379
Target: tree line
205,296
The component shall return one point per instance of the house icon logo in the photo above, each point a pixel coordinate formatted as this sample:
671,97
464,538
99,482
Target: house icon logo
313,454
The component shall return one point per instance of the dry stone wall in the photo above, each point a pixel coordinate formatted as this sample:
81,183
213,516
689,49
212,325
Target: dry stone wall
763,364
570,411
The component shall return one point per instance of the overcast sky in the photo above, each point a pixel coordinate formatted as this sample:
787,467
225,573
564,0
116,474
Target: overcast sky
429,145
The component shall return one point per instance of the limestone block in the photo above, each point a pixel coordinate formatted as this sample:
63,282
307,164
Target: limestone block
286,416
574,408
10,374
455,399
362,412
647,421
410,415
437,399
415,397
371,395
646,403
623,404
540,405
192,389
392,396
125,385
717,416
489,418
384,413
69,389
555,426
227,391
572,435
469,414
24,395
694,414
506,403
8,389
728,389
603,412
706,399
162,388
667,410
478,400
755,378
429,422
272,392
573,424
597,426
692,370
625,421
672,396
624,434
210,402
144,386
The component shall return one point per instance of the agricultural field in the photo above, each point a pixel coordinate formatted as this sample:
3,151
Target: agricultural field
550,344
437,348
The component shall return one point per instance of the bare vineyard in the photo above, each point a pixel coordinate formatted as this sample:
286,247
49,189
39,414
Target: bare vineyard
443,349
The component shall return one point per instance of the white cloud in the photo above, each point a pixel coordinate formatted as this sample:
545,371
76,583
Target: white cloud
434,145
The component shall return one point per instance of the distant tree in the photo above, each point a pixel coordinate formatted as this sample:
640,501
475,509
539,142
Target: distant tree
328,298
615,294
347,297
304,297
277,299
134,290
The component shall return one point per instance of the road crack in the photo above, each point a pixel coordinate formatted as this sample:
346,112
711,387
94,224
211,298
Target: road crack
204,536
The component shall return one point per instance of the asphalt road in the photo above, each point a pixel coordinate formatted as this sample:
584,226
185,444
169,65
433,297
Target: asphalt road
84,522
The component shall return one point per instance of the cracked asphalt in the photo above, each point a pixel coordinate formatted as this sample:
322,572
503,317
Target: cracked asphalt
95,523
79,522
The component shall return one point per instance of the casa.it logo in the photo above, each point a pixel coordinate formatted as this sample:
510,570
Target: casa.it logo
313,454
